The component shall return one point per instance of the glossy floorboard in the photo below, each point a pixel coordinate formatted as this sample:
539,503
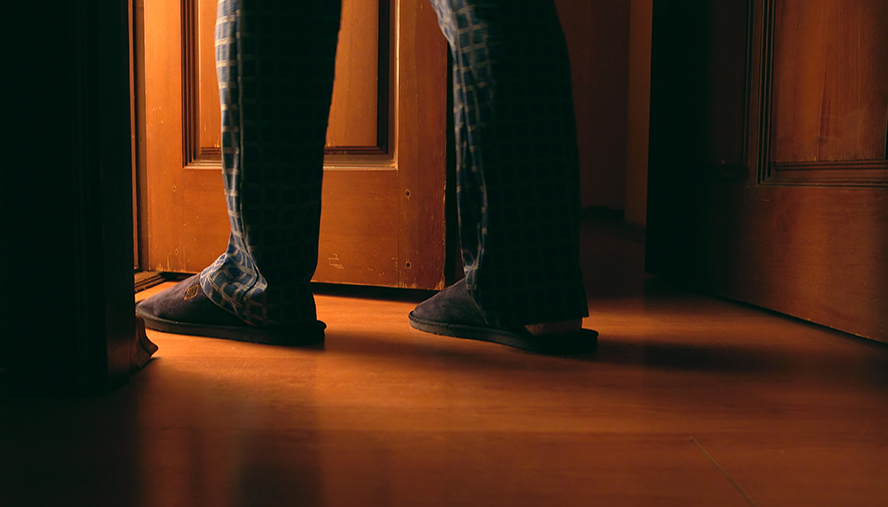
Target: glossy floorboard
689,401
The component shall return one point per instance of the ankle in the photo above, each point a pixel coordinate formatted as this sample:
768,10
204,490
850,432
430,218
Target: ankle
560,327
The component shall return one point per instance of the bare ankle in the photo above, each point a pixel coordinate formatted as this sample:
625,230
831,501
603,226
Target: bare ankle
560,327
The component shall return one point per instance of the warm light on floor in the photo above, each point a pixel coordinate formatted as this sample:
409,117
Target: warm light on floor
689,401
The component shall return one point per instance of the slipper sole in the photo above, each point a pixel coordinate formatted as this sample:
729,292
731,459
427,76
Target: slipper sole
584,341
265,336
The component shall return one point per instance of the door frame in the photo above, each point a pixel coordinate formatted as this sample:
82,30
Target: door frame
72,330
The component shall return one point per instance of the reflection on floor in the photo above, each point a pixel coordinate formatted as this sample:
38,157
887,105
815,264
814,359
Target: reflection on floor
689,400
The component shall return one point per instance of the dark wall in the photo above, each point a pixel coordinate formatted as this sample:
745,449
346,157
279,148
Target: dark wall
597,33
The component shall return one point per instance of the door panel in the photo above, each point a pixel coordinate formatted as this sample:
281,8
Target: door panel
384,181
830,92
357,108
209,111
768,171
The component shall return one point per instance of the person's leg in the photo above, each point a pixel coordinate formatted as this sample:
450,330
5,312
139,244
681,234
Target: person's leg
275,62
517,173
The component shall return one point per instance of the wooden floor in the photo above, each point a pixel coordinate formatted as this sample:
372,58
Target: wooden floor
689,401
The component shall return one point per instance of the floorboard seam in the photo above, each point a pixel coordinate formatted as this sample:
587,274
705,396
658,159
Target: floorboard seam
722,470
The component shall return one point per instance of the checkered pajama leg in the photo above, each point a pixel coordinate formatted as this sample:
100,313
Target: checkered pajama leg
275,63
517,192
518,171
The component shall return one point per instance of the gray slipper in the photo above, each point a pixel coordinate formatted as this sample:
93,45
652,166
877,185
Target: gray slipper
453,312
185,309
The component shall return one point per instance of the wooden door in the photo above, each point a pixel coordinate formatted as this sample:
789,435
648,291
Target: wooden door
67,211
384,175
768,172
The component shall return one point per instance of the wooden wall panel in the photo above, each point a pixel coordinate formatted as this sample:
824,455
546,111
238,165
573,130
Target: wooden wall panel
355,233
203,229
354,113
161,85
830,90
420,145
359,237
383,217
356,110
209,110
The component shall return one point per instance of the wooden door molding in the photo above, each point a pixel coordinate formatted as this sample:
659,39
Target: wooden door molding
384,174
200,94
864,173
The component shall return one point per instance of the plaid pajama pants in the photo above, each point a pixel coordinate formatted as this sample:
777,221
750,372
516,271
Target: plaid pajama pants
517,168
